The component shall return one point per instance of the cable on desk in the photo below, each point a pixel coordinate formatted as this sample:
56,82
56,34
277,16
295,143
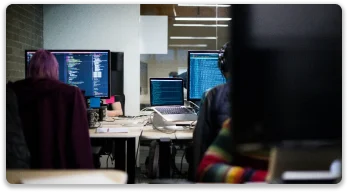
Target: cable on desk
192,109
194,104
145,122
144,109
151,117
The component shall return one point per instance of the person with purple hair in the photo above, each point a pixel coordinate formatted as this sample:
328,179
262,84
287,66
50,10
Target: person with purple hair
53,116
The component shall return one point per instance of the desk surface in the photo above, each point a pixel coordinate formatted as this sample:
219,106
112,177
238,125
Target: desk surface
132,132
135,131
149,134
15,176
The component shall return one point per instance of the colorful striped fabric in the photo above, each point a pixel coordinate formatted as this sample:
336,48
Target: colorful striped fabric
215,166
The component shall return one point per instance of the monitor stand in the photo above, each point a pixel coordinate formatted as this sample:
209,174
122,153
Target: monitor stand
302,162
158,122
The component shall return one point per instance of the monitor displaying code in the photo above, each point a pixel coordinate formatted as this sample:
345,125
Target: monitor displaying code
204,73
87,70
166,92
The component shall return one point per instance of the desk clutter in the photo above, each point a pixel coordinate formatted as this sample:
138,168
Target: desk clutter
112,130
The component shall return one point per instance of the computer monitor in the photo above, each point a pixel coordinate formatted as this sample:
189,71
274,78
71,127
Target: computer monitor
286,74
87,69
166,92
203,73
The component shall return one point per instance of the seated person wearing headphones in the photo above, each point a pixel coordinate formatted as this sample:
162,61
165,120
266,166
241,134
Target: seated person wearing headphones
114,107
214,110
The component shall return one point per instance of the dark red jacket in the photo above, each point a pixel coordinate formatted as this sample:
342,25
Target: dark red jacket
55,126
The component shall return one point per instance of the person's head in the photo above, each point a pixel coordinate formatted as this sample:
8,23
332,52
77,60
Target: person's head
43,64
173,74
223,63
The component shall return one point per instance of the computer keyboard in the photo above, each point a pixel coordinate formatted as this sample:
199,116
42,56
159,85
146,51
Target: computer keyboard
173,110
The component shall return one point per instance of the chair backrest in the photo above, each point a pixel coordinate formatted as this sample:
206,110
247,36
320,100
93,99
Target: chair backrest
17,152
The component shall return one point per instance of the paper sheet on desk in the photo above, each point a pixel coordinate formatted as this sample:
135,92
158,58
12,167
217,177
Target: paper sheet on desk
112,130
93,178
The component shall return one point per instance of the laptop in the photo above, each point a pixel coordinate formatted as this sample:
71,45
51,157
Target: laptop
167,99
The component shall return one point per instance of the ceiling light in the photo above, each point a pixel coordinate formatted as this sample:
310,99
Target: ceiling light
202,18
181,37
203,5
199,25
188,45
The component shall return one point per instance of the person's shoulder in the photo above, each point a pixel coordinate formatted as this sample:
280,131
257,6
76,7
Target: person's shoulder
219,88
212,91
222,86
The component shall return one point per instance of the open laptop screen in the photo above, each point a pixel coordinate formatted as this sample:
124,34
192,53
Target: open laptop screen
166,91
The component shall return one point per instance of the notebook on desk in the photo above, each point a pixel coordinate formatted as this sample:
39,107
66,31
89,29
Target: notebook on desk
112,130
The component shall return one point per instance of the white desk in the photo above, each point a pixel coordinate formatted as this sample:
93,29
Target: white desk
133,132
15,176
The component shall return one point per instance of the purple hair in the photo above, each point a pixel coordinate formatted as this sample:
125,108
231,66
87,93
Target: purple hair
43,64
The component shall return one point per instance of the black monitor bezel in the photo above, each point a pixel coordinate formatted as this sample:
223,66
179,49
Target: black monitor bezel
188,70
77,50
182,85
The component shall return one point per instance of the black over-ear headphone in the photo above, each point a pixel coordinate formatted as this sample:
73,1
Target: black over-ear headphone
223,55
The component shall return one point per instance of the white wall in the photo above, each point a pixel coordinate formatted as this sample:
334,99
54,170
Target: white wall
112,27
153,34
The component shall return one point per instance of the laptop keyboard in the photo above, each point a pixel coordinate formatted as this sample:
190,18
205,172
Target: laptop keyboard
173,110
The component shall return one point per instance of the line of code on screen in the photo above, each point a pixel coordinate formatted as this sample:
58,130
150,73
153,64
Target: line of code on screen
87,70
166,92
204,73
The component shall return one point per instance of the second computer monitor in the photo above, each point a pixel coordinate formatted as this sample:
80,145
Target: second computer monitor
166,91
203,73
86,69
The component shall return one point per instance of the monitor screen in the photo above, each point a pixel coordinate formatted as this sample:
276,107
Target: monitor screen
166,91
203,73
88,70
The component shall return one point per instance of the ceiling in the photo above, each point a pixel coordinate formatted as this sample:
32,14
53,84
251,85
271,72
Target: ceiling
173,10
